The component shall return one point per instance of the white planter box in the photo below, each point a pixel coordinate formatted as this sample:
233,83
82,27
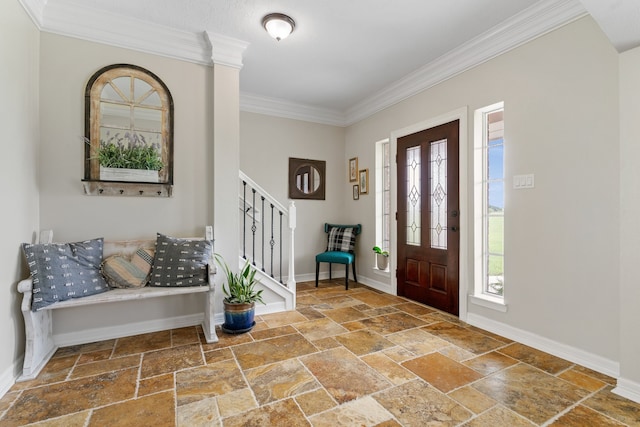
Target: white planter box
122,174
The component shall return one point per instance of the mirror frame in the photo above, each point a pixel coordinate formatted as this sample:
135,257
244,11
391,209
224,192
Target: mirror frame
93,91
294,192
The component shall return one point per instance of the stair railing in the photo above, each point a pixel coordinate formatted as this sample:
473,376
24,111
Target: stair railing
267,232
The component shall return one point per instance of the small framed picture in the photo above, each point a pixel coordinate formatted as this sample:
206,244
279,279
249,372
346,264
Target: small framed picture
364,181
353,169
356,192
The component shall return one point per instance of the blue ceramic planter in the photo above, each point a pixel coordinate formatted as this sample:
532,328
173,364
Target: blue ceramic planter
238,318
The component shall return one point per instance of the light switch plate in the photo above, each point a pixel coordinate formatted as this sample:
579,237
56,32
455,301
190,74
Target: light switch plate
523,181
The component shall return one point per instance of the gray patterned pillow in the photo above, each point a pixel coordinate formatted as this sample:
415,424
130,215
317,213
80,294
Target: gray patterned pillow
61,271
180,262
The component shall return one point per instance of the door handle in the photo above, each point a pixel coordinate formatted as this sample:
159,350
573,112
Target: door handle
453,228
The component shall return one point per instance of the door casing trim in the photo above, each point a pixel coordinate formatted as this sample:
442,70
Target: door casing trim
466,269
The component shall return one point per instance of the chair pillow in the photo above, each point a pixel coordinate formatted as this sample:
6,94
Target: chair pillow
341,239
180,262
61,271
121,272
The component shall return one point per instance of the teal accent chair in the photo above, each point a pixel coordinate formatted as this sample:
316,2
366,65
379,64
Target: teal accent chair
341,241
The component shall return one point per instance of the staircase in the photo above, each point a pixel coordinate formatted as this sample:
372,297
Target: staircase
267,241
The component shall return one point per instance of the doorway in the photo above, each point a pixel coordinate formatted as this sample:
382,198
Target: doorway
428,238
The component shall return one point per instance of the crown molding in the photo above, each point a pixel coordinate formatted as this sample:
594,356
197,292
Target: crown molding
282,108
226,50
539,19
35,10
75,19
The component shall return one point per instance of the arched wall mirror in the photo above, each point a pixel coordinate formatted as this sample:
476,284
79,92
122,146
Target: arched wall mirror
306,179
128,133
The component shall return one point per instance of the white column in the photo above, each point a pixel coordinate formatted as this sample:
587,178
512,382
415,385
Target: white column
226,55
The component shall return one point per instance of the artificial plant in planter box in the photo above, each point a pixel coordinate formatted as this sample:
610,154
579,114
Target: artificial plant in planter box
240,297
129,158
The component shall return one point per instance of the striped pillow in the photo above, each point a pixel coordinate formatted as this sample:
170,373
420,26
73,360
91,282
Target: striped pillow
121,272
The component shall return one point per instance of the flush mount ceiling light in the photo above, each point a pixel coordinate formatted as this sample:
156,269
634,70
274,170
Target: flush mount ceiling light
278,25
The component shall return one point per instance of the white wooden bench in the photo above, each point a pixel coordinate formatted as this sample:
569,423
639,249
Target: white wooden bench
40,346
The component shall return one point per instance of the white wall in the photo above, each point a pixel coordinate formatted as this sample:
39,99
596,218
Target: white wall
19,50
629,223
266,143
561,124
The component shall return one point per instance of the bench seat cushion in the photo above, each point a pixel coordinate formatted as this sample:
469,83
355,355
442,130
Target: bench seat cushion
336,257
62,271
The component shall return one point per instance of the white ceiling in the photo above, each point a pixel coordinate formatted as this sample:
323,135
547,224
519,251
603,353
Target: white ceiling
343,54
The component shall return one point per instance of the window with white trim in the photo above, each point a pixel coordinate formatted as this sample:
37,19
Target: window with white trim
489,201
383,199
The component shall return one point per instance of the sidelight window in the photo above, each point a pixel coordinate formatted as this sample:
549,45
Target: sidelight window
489,201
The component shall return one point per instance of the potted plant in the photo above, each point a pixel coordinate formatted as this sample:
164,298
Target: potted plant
129,158
382,258
240,297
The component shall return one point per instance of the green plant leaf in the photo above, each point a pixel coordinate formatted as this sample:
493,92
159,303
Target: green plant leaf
239,287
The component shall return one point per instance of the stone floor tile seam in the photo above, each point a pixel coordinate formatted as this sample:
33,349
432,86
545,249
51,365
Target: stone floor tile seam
246,381
563,412
475,355
579,403
500,405
139,378
3,413
391,416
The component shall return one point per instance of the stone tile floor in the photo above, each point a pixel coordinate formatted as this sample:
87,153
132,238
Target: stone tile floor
343,358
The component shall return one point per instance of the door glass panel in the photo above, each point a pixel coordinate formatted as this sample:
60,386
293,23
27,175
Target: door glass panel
414,196
438,194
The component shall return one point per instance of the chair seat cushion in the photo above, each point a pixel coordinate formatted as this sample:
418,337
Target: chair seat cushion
336,257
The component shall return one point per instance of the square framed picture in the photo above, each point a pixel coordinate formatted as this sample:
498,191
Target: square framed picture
364,181
356,192
353,169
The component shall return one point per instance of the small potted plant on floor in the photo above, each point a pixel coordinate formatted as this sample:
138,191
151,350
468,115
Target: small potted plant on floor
382,258
240,297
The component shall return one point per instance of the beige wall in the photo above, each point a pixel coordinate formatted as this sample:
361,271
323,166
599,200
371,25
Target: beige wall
66,66
19,50
629,214
561,124
266,143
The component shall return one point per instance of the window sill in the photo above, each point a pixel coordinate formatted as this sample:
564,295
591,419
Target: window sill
490,302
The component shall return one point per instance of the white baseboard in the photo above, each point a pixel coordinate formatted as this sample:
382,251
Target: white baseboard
9,376
311,277
375,284
629,389
564,351
111,332
272,307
